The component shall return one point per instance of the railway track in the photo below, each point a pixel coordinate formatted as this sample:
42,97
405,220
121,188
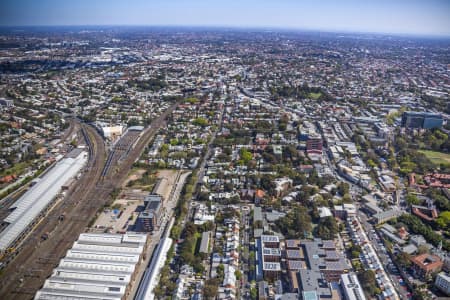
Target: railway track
120,151
6,202
33,251
73,128
36,258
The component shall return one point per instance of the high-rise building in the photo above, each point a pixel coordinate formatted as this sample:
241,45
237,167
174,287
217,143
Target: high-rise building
422,120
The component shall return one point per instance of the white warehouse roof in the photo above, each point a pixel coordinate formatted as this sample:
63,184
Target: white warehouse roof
38,197
56,294
99,266
90,275
107,249
99,256
112,239
107,266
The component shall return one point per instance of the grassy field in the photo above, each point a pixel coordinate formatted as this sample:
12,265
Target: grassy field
314,96
437,157
17,168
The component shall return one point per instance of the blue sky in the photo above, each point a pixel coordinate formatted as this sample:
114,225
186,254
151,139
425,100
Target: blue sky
423,17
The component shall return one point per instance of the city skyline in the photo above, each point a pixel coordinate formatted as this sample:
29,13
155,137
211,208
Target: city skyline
391,17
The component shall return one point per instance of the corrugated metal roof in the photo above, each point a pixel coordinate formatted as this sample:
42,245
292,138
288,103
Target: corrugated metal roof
134,240
108,248
97,265
88,272
31,204
91,255
57,294
91,275
93,287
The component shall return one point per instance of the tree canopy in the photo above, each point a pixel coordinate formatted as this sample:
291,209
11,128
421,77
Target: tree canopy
296,224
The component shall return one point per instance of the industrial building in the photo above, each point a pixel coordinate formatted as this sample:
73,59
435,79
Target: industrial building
98,266
112,133
421,120
34,203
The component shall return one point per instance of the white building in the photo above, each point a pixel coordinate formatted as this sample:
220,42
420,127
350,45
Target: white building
443,283
40,196
112,132
351,287
98,266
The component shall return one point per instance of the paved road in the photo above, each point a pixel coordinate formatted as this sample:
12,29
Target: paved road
245,266
382,254
156,236
201,170
36,259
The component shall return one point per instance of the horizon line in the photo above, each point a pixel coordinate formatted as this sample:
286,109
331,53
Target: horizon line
253,27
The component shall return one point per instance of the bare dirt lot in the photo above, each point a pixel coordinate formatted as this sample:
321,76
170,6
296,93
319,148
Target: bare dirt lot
120,216
135,174
168,179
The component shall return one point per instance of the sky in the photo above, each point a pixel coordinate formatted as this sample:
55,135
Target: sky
418,17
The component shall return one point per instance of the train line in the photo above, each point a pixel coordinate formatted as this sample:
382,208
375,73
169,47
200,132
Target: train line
36,258
71,130
33,251
9,200
120,150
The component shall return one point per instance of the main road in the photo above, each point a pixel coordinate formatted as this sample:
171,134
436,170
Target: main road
35,259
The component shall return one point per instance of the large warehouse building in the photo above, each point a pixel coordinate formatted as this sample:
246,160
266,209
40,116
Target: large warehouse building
98,266
39,197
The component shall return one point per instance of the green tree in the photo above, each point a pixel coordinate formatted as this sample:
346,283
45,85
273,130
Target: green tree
415,225
297,223
368,282
327,228
404,259
202,122
412,199
238,274
343,188
192,100
245,155
211,287
443,221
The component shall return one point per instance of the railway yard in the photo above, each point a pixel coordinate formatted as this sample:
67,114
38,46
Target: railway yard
33,260
121,150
